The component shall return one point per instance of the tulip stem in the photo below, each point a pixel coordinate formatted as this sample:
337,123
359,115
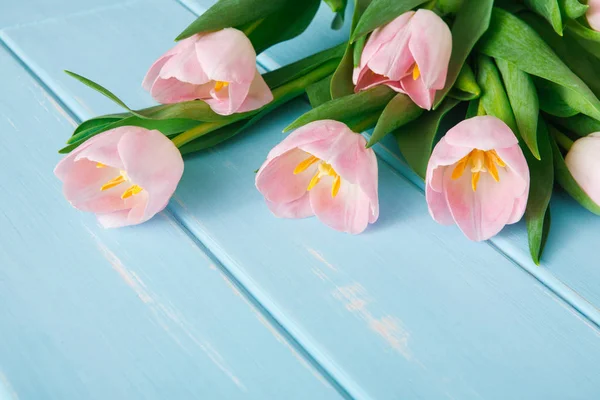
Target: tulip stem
281,95
563,140
365,123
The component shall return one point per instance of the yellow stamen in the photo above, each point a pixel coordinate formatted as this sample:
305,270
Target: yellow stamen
113,182
474,180
313,182
132,190
100,165
416,72
480,161
220,85
335,188
305,164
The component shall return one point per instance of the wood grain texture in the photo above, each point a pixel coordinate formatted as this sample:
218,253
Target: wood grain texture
410,309
135,313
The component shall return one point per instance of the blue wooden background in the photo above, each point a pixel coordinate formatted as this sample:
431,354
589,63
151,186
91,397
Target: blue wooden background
215,298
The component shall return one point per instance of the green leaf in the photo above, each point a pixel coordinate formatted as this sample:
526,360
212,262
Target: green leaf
473,109
341,84
537,213
232,13
511,39
524,102
557,100
318,93
466,87
449,6
572,9
99,122
107,93
549,10
567,182
399,111
167,127
302,67
282,25
358,47
347,107
580,124
471,22
494,98
570,51
416,138
336,5
380,12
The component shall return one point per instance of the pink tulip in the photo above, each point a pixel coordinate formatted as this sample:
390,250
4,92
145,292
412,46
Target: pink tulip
125,175
217,67
593,14
410,55
322,169
583,162
478,178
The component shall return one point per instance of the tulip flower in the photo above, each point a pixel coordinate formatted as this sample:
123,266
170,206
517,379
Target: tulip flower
217,67
125,175
593,14
322,169
409,54
478,178
583,162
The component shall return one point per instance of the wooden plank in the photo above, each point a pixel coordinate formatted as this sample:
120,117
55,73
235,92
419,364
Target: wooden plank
409,309
138,313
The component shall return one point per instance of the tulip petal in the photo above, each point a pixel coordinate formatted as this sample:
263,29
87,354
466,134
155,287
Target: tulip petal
593,14
483,213
515,161
168,91
317,131
436,202
443,154
277,182
153,162
483,132
431,45
226,55
418,92
228,100
259,95
394,59
154,71
584,165
299,208
185,68
347,212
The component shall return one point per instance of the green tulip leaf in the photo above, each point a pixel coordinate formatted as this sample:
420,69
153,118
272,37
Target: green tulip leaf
573,9
341,83
347,107
511,39
494,98
524,102
537,213
416,138
318,93
466,87
472,21
380,12
557,100
399,111
337,6
579,124
97,122
549,10
232,13
568,183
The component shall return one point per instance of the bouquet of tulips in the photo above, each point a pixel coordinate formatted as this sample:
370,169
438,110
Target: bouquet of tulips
491,103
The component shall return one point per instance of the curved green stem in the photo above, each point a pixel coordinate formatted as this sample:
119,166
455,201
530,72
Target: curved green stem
563,140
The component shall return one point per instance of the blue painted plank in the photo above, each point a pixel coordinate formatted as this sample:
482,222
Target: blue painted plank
18,13
136,313
408,310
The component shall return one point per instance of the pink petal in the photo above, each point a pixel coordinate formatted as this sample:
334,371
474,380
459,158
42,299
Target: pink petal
515,160
348,212
185,68
154,71
436,200
431,46
259,95
368,79
484,133
276,180
299,208
443,154
393,59
227,55
229,99
418,92
584,164
168,91
323,130
483,213
153,162
593,14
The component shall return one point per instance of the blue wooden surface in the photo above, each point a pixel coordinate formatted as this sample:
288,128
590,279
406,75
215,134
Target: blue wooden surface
217,299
